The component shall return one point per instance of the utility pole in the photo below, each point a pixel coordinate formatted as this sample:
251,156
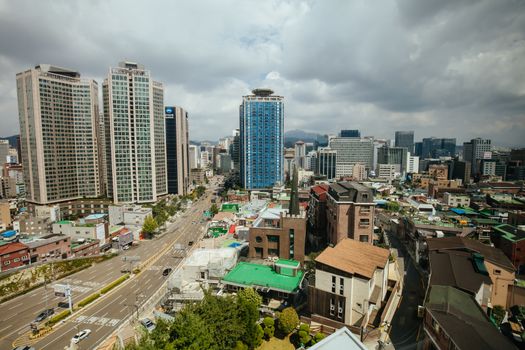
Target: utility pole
68,295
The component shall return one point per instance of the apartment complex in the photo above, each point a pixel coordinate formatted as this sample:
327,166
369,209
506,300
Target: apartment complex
135,135
261,139
350,212
59,134
177,150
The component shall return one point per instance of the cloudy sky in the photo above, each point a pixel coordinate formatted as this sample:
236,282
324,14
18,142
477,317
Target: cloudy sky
445,68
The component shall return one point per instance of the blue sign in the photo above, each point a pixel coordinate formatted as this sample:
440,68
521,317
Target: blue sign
168,110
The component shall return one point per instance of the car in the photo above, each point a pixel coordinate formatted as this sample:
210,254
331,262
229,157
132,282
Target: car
148,324
81,335
44,314
166,271
126,247
190,243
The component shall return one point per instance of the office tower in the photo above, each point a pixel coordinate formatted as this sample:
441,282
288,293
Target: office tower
326,163
59,134
350,133
438,147
405,139
135,135
261,139
204,159
310,161
412,164
474,151
235,149
352,150
397,156
177,157
4,151
194,156
300,153
418,149
461,170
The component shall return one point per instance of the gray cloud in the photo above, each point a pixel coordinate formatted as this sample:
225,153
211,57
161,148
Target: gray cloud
450,68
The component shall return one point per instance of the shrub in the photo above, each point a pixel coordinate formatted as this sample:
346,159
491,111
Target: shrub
318,337
58,317
88,300
114,284
288,320
269,327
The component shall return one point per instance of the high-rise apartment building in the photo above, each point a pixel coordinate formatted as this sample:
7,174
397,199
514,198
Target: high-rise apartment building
194,156
59,134
352,150
177,154
135,135
261,139
405,139
300,153
350,133
474,151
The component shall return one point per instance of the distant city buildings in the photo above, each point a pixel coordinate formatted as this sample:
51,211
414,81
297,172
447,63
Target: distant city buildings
405,139
261,139
135,135
350,151
59,135
474,151
350,133
177,153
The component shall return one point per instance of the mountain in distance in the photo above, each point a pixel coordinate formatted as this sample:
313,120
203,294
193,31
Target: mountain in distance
292,136
11,139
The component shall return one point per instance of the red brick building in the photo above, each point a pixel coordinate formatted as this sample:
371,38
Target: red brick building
50,248
13,255
316,226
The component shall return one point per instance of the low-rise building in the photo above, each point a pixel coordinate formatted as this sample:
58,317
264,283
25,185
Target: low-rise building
49,248
82,230
275,233
351,284
85,247
456,200
511,240
453,320
13,255
350,212
498,266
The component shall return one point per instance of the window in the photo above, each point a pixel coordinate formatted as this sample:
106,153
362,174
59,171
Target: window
363,238
7,262
332,307
203,275
341,285
258,239
16,260
364,222
497,272
339,309
333,284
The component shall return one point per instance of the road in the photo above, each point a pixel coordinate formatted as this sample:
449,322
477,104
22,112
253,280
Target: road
111,309
405,324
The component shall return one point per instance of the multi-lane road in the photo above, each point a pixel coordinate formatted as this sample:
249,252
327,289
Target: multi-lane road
112,309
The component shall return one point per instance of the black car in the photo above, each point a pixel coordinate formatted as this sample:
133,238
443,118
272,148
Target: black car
190,243
166,271
44,314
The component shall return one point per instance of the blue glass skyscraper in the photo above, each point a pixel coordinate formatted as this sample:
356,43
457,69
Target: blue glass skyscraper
261,139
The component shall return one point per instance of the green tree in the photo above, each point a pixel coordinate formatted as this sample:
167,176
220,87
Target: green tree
288,320
190,331
304,334
393,206
269,327
248,301
318,337
214,210
150,225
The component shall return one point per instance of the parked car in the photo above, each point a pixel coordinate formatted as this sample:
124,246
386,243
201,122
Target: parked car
166,271
81,335
190,243
44,314
148,324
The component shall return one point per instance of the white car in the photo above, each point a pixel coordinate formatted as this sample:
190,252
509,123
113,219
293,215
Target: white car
81,335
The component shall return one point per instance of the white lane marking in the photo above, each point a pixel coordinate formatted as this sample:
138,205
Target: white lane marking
16,306
3,329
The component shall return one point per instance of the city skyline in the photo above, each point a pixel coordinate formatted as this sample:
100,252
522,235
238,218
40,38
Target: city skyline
394,78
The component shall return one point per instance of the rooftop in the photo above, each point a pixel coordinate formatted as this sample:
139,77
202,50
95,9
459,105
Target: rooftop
509,232
254,275
11,247
340,339
463,320
354,257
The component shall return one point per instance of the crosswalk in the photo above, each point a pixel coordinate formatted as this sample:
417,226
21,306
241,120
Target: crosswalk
97,321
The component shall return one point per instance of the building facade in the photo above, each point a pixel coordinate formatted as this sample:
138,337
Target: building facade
261,139
350,212
352,150
59,134
474,151
135,135
177,150
326,163
405,139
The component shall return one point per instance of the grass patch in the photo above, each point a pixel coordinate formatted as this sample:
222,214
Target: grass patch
277,344
88,300
114,284
58,317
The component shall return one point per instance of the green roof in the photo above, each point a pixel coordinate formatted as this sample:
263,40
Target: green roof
217,231
64,222
292,263
510,232
230,207
255,275
485,221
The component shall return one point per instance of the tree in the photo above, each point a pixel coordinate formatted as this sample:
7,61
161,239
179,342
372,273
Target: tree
214,210
269,327
318,337
288,320
304,334
393,206
150,225
248,301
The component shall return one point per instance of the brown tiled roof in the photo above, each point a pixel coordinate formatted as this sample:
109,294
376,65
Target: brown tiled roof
354,257
491,254
12,247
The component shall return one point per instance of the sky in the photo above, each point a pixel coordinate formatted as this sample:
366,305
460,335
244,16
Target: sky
444,68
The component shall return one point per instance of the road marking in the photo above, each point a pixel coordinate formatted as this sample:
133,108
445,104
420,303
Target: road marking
3,329
16,306
80,319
